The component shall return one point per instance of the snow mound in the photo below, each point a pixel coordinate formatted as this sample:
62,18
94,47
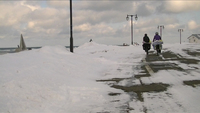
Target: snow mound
55,49
91,44
52,80
92,47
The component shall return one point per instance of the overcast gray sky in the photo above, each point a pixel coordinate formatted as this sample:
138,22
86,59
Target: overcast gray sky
47,22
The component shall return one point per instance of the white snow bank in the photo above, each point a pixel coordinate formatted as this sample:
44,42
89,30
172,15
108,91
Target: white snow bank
52,80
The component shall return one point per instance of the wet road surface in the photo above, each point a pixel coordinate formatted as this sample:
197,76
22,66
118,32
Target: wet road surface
148,90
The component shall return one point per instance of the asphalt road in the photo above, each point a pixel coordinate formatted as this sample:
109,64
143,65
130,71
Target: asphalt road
150,65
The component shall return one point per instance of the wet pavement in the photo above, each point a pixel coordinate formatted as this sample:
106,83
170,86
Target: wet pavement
150,65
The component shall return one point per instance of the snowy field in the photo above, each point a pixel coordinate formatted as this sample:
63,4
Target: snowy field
53,80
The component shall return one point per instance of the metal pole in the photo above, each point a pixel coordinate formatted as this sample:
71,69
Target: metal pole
131,29
180,30
131,25
133,32
180,37
71,31
161,30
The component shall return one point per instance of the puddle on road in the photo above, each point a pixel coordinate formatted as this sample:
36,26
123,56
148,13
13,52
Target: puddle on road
117,80
172,56
189,61
192,52
192,83
169,55
153,57
142,75
157,87
139,89
164,66
160,66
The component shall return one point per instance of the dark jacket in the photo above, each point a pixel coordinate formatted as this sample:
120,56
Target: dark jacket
146,38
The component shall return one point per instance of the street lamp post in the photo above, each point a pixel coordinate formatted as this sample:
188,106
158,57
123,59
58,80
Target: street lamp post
180,30
127,18
71,31
161,27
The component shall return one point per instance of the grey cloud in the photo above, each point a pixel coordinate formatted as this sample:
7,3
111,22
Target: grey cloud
48,19
95,12
175,7
32,3
58,3
155,21
104,5
40,23
9,32
95,18
143,10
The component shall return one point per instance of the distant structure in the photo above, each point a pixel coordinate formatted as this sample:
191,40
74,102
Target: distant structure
125,44
194,38
161,28
22,45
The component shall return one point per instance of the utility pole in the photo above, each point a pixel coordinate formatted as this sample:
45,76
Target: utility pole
71,28
161,27
180,30
127,18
